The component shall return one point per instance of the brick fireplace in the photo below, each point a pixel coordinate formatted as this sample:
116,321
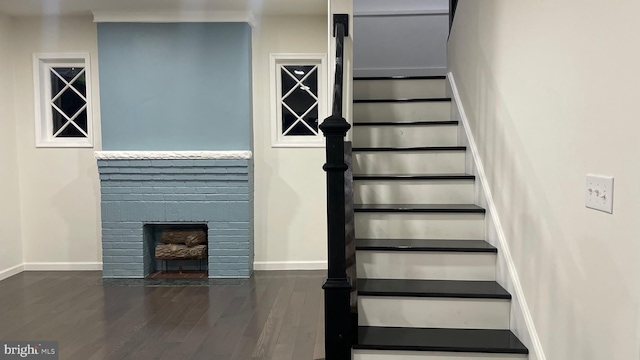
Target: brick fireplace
141,188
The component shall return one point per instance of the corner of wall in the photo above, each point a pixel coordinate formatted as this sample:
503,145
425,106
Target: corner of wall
506,273
11,237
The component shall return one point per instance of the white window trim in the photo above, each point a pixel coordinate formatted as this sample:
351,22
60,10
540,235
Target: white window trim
41,64
276,59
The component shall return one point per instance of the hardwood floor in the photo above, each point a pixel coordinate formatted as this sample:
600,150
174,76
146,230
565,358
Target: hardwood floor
273,315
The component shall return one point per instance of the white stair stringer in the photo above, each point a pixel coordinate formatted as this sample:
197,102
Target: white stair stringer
413,191
418,265
391,225
405,135
398,89
401,111
433,312
408,162
361,354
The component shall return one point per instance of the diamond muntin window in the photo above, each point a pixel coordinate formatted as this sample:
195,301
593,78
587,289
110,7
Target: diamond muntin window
63,101
299,100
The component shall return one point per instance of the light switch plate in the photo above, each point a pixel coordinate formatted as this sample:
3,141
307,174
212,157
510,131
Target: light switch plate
599,193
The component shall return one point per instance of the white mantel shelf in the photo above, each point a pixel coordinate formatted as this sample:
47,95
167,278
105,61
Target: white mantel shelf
171,155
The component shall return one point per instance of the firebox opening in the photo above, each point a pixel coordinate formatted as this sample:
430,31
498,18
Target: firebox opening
176,250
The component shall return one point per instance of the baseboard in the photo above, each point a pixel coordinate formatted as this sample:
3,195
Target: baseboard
62,266
290,265
533,341
378,72
7,273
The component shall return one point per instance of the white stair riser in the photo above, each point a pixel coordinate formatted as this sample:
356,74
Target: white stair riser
413,192
429,355
426,265
398,89
389,136
424,312
402,111
419,226
407,162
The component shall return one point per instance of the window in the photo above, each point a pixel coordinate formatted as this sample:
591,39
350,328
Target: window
298,99
63,100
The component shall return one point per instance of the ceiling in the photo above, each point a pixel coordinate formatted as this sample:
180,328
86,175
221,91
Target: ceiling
85,7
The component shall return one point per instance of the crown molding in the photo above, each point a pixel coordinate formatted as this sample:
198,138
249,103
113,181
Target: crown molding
176,16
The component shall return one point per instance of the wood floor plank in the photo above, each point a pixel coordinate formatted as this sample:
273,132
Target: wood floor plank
272,316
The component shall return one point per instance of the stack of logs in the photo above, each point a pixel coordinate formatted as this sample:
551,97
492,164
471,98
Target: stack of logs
182,245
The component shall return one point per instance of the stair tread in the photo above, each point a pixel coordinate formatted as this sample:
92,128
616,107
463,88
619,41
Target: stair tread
421,148
455,208
432,288
404,100
408,123
433,77
460,176
435,339
425,245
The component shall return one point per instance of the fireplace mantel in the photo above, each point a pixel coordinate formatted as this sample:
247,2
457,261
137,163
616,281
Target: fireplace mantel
173,155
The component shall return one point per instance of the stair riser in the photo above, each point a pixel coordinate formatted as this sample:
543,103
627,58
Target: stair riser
402,111
413,192
392,136
429,355
426,265
407,162
398,89
461,226
433,312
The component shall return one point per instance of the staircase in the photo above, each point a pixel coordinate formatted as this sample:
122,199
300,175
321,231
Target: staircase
426,277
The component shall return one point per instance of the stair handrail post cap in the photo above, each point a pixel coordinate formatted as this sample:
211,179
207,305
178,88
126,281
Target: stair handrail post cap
335,125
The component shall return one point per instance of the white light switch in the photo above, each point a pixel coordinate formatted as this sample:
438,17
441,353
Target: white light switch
599,193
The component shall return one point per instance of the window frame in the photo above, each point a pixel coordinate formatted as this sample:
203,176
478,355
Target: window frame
284,59
42,63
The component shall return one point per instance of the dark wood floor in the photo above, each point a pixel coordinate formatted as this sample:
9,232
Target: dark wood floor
274,315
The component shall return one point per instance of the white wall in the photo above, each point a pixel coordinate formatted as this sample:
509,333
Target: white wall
550,97
59,188
406,37
10,235
290,194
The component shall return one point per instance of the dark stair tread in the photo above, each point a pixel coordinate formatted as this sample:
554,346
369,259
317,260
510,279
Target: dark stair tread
425,245
409,123
435,77
432,288
422,148
414,177
433,208
402,100
433,339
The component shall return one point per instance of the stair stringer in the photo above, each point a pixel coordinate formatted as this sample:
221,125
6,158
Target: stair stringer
521,322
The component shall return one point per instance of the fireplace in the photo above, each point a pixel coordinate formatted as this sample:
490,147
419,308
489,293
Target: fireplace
145,193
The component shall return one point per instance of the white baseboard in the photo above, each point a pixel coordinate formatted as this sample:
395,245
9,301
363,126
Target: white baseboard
374,72
290,265
62,266
7,273
533,342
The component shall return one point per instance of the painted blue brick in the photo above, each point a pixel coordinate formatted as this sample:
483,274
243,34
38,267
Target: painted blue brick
153,197
231,245
111,197
228,252
131,197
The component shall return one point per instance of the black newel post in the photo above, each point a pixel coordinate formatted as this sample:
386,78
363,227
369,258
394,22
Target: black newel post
337,288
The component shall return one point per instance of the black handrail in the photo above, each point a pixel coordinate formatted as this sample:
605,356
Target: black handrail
337,288
453,6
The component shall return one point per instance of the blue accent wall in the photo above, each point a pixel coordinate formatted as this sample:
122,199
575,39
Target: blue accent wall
175,86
